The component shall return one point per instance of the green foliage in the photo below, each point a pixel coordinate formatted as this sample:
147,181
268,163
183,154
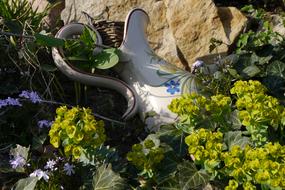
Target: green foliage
146,155
26,183
18,13
247,166
190,177
106,178
81,50
76,129
257,110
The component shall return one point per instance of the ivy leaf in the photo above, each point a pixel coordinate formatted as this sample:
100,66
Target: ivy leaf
235,138
170,184
106,179
48,41
106,59
167,168
26,183
99,155
190,177
277,68
234,120
174,138
251,70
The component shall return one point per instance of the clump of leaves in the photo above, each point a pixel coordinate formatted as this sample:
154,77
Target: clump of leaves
83,51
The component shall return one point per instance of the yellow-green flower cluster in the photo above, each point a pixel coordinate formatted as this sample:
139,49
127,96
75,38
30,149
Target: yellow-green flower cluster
76,129
205,147
247,167
253,166
145,156
256,109
198,108
247,87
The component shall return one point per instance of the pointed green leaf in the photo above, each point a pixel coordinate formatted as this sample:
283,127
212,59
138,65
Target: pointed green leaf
235,138
251,70
26,183
190,177
106,179
48,41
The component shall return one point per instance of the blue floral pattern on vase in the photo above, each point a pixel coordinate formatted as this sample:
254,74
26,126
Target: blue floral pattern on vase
172,87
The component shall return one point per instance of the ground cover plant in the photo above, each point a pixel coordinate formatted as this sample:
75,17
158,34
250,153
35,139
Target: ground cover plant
228,136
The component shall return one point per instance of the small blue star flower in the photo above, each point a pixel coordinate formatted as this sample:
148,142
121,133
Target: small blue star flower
172,87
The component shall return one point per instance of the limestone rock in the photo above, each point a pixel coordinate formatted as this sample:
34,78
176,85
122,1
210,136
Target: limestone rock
233,21
159,34
180,30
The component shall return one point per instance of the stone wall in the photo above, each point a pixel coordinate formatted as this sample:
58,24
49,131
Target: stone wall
180,30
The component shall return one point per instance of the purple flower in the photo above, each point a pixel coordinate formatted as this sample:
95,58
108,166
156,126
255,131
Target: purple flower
33,96
40,174
50,165
13,101
172,87
18,162
10,102
68,168
3,103
44,123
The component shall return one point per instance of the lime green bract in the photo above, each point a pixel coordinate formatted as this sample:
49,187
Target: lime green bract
76,129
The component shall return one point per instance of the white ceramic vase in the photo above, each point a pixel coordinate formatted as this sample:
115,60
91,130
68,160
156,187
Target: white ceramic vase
155,81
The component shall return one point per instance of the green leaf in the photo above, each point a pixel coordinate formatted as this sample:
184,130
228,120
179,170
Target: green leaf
277,68
234,120
48,68
20,151
251,70
235,138
190,177
38,141
106,59
167,168
173,137
88,36
99,155
170,184
48,41
26,183
106,179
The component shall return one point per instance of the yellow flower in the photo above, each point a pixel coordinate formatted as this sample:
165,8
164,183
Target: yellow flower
55,141
76,152
70,131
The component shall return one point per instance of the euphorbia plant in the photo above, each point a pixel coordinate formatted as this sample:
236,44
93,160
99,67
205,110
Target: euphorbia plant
76,129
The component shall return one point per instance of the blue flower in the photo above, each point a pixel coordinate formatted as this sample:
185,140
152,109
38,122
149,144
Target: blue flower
18,162
40,174
44,123
68,168
172,87
10,102
33,96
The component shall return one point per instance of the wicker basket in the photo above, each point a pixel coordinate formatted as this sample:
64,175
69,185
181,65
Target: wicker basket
112,33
